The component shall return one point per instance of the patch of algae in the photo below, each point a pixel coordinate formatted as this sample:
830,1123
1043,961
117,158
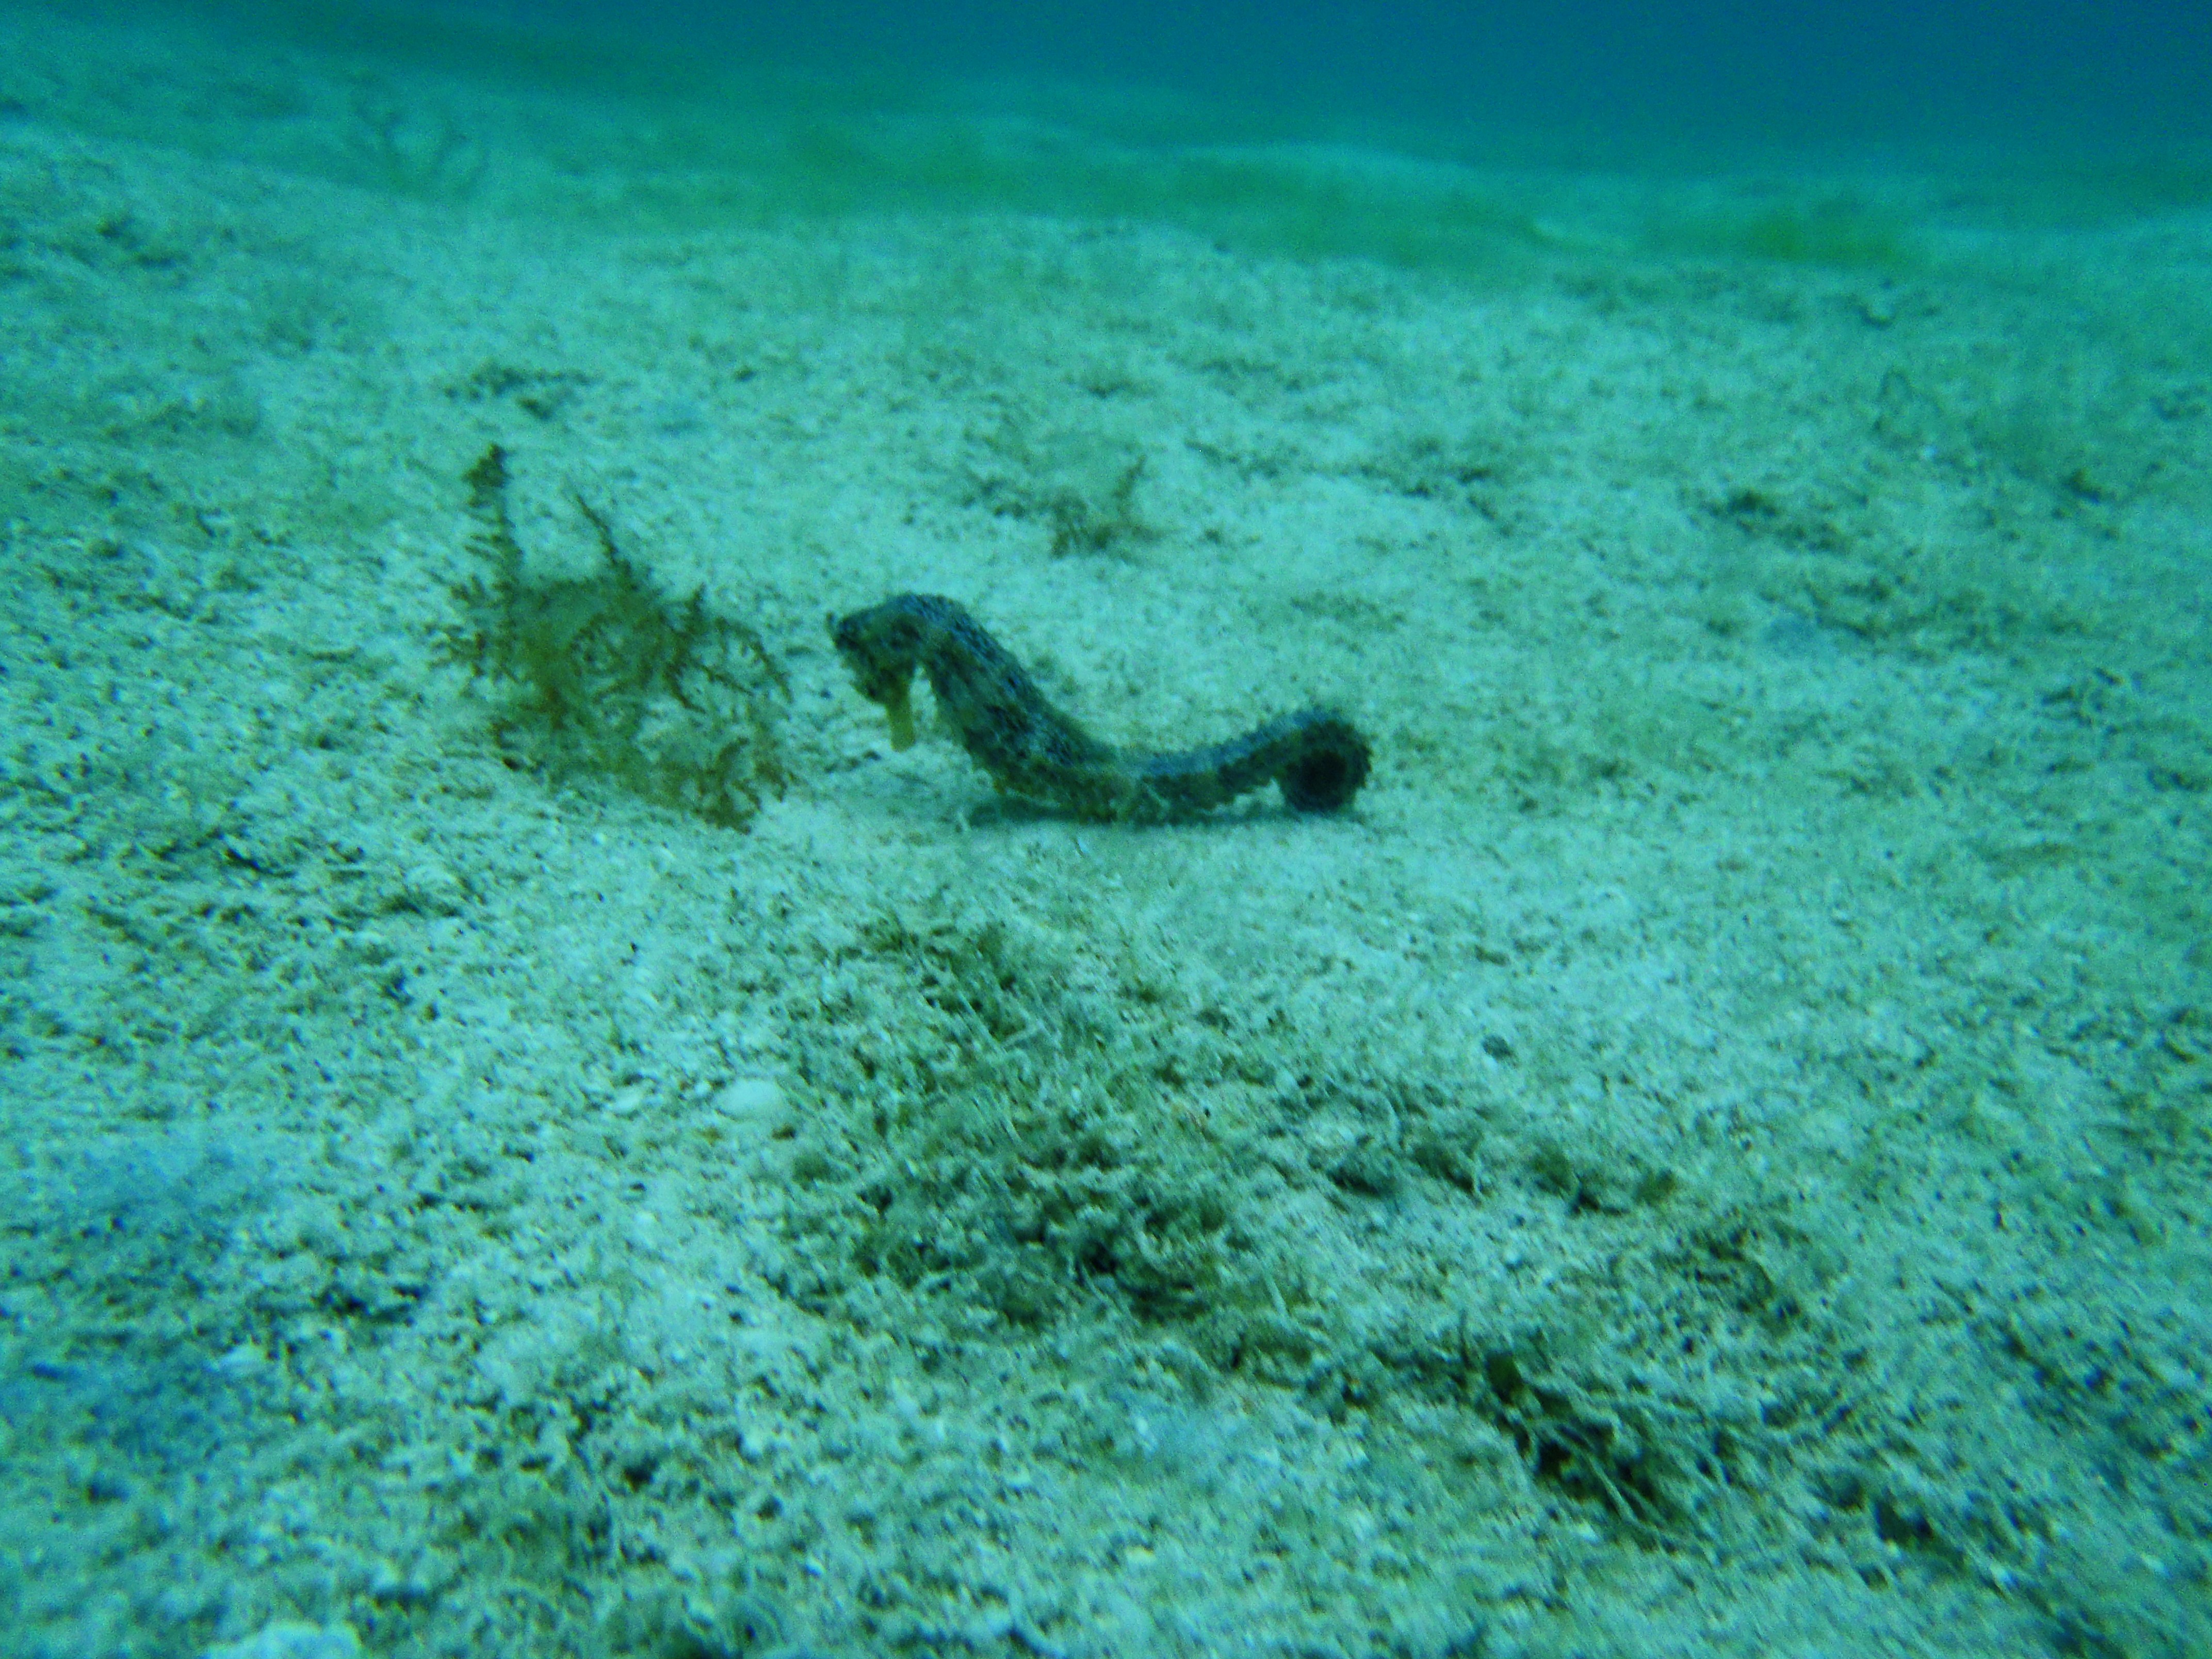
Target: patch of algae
608,677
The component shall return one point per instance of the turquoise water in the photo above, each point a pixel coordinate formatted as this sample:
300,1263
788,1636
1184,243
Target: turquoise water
2130,76
533,1119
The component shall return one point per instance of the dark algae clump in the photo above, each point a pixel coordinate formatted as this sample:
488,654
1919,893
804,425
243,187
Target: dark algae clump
1032,750
608,677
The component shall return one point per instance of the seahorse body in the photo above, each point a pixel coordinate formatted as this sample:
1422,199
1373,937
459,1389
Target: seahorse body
1033,750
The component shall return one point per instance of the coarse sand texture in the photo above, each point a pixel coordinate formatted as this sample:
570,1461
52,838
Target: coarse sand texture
531,1128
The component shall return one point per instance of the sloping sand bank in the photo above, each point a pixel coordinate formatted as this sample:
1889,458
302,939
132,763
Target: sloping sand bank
1710,1156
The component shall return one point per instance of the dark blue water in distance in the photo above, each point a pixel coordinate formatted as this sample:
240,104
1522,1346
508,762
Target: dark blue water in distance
2096,77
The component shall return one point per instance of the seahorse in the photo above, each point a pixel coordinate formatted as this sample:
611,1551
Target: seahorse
1032,750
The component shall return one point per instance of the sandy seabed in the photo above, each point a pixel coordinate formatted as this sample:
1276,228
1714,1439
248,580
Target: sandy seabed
1708,1156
